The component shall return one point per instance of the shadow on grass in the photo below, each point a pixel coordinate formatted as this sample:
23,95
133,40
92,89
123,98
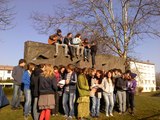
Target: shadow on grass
152,116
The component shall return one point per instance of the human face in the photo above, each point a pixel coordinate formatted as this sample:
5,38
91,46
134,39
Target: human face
98,74
93,73
23,64
69,71
127,76
62,70
33,68
55,38
70,36
109,74
56,71
59,33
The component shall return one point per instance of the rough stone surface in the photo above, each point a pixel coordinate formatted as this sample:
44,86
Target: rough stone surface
43,53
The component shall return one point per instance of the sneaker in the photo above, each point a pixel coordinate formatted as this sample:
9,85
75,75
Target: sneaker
70,118
53,114
96,117
67,56
55,55
26,117
123,113
71,58
65,116
111,114
19,107
77,56
120,113
13,108
132,113
107,115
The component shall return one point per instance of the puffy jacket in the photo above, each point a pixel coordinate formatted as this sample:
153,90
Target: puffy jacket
47,85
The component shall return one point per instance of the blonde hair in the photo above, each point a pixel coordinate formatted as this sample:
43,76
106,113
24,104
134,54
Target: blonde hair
48,71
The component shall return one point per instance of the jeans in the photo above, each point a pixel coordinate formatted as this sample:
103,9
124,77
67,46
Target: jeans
71,50
63,45
27,105
86,53
95,106
56,109
93,54
35,109
130,100
122,100
78,47
109,102
17,93
67,96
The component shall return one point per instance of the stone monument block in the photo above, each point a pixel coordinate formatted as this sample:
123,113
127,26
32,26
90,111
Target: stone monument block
39,53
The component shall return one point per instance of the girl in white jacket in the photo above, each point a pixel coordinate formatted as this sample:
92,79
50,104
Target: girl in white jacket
108,88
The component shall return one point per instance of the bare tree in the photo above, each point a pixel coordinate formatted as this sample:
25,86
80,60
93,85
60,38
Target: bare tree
6,15
157,79
118,24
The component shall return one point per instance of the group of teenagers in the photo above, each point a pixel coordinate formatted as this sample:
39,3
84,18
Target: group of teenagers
72,91
74,47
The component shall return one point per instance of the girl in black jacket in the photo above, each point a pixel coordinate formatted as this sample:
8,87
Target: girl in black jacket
47,88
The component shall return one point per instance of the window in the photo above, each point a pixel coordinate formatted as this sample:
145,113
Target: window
9,71
145,81
153,82
0,78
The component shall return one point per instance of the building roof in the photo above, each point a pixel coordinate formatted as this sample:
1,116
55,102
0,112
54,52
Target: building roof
143,62
6,67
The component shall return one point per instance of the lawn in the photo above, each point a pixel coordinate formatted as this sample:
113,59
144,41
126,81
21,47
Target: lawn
147,108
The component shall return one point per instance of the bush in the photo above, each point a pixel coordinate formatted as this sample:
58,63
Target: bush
140,89
6,81
8,91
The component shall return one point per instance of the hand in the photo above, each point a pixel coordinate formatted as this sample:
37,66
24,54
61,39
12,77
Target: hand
61,86
67,81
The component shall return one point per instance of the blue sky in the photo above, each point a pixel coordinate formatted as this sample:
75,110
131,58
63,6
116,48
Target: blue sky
12,41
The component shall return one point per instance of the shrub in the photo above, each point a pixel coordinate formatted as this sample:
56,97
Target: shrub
140,89
8,91
6,81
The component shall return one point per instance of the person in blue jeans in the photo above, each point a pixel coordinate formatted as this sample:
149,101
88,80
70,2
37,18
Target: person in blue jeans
96,93
86,49
69,93
108,88
17,74
35,90
27,91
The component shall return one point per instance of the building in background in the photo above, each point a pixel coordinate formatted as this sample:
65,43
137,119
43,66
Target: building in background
6,72
145,75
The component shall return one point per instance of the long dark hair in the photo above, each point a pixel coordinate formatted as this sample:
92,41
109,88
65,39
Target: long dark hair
30,67
101,76
110,71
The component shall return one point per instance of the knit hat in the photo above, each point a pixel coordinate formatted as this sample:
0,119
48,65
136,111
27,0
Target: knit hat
133,75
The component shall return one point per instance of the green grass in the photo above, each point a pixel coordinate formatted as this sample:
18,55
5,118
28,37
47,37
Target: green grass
147,108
